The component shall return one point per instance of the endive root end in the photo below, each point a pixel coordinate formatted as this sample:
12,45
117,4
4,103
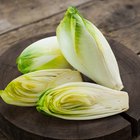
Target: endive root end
119,87
72,10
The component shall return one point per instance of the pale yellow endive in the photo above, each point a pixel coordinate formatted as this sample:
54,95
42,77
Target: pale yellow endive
82,101
87,50
26,89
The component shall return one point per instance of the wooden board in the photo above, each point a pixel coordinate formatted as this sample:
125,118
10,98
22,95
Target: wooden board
31,11
119,19
27,123
130,70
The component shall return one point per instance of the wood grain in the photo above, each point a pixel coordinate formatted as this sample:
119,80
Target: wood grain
2,137
114,18
27,123
30,11
129,64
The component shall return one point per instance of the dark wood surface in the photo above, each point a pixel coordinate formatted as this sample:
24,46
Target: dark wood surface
120,20
129,65
28,123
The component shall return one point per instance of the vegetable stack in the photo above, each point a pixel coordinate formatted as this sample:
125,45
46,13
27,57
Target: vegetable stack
53,82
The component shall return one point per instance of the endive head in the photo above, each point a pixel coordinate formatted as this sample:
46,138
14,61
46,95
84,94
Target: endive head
43,54
87,50
82,101
26,89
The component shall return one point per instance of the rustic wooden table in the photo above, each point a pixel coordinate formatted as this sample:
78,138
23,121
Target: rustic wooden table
22,19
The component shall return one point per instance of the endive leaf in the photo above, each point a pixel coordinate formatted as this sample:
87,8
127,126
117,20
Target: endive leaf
82,101
43,54
87,50
26,89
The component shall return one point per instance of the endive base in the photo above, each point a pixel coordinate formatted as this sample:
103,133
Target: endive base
26,123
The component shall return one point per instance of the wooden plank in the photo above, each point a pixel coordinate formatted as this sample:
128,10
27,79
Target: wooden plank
118,19
129,64
128,36
110,16
53,128
2,136
27,123
136,138
30,11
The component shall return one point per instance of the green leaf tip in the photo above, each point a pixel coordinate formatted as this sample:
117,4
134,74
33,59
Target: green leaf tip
72,10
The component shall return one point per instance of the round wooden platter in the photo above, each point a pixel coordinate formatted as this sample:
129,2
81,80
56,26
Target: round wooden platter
26,123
